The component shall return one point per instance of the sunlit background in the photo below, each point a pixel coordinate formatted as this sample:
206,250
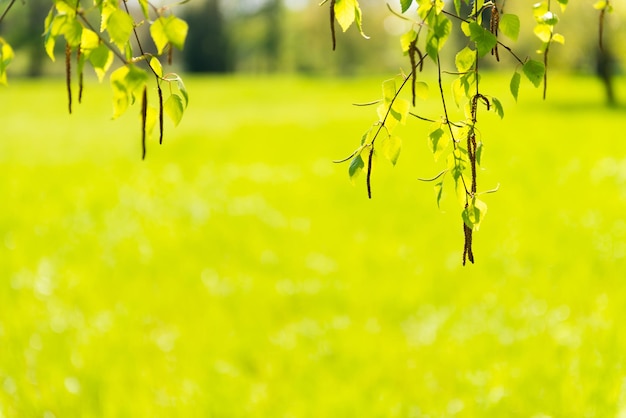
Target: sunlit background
237,272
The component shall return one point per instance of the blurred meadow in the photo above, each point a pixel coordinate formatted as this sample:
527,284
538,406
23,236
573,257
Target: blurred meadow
236,272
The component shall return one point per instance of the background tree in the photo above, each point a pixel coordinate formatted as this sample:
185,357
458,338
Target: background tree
209,48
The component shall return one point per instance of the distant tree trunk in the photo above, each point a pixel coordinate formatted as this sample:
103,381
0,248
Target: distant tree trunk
37,12
208,47
605,69
273,11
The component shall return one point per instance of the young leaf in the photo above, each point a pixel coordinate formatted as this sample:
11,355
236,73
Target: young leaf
510,26
391,147
474,213
389,91
169,29
356,167
126,81
72,31
174,108
485,40
400,110
358,18
543,32
421,90
438,141
465,60
144,8
534,71
120,26
407,39
345,12
405,5
497,107
101,59
156,66
176,30
514,85
89,41
439,191
558,38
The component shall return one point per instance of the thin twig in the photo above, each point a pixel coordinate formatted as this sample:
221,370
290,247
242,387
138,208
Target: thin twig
7,10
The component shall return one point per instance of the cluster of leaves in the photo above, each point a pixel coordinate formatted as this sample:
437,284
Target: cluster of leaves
486,27
105,30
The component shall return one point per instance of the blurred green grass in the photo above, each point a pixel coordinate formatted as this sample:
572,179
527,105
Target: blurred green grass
237,272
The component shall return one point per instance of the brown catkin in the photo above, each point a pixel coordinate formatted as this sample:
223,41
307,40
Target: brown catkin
412,52
144,117
160,113
68,75
80,74
468,254
332,23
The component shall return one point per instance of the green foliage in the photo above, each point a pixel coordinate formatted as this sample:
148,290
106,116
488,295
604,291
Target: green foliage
71,22
457,140
535,71
431,29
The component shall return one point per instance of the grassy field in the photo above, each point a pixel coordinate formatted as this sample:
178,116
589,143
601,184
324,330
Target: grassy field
238,273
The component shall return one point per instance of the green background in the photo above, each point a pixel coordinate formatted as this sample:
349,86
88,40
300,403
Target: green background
236,272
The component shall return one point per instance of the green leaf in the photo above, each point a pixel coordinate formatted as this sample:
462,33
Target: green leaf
497,107
474,213
439,191
174,108
599,5
72,31
400,110
558,38
407,39
356,167
156,66
457,7
563,4
465,60
345,13
534,71
390,122
169,29
182,89
484,40
101,59
510,26
391,147
144,8
358,18
106,9
438,141
120,25
126,82
438,33
405,5
514,85
157,32
458,91
389,91
543,32
89,41
421,90
121,98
